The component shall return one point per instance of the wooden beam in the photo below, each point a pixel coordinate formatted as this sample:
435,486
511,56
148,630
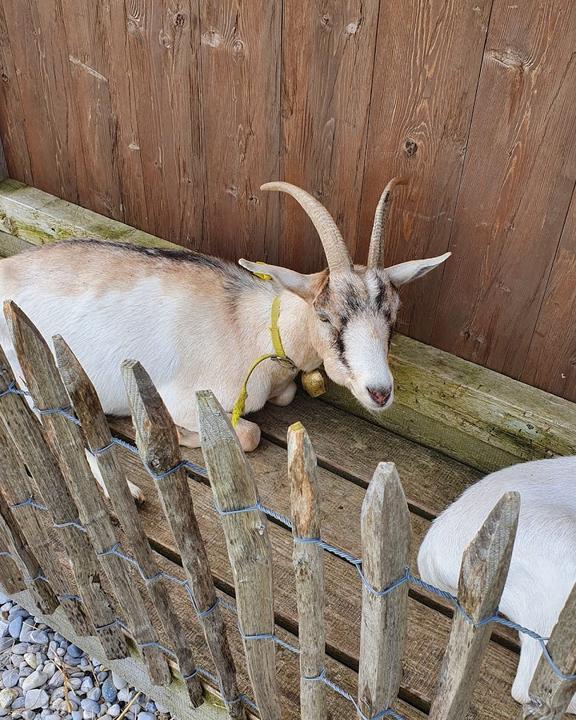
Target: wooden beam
466,411
40,218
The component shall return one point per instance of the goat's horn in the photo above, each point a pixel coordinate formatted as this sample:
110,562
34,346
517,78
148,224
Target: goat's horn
334,246
376,251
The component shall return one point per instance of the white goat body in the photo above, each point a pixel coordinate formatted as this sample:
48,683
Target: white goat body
543,566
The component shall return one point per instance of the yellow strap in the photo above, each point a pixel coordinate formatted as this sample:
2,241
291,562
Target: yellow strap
240,404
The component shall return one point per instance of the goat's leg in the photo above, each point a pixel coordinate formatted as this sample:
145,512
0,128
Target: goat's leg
286,396
248,435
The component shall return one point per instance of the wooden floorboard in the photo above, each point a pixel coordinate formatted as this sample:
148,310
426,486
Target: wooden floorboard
428,628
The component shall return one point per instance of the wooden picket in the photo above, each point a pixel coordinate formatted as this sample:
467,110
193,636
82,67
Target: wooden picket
48,490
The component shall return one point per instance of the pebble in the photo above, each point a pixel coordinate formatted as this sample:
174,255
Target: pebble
75,683
35,680
10,678
28,714
18,703
36,698
39,636
57,679
75,651
20,648
146,716
109,691
26,632
49,669
15,627
90,706
76,714
94,694
114,710
5,643
31,660
7,697
87,684
4,628
124,695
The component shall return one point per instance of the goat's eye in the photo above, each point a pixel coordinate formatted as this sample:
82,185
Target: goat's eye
323,317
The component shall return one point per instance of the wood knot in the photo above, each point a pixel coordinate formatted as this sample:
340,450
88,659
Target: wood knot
179,19
211,38
326,21
410,147
4,77
238,47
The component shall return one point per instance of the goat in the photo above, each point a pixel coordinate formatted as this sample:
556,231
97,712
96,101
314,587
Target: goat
543,566
198,322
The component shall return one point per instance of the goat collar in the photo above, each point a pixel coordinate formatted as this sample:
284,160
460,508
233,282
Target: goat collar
279,355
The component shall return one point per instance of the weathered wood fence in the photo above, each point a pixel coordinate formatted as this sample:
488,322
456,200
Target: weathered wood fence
59,539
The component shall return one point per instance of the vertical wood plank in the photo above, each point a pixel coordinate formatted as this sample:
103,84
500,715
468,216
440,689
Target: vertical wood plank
550,695
157,440
428,59
38,585
66,441
385,524
518,178
29,533
24,430
309,571
39,369
96,431
240,56
327,65
11,110
248,546
160,43
38,44
87,44
551,360
483,573
11,578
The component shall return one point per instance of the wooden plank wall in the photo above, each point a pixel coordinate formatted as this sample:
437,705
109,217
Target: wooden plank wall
169,114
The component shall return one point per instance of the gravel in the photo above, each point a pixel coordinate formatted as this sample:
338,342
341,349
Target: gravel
44,677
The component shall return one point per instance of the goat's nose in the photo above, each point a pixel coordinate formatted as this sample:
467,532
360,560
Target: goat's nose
380,395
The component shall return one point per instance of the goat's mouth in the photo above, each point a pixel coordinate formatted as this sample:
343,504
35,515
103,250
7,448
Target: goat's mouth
373,399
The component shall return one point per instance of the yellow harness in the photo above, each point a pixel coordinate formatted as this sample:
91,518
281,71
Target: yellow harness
279,355
312,381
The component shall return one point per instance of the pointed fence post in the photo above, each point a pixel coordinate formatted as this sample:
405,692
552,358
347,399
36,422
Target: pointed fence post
26,434
248,545
483,573
48,393
97,434
309,571
549,693
157,440
10,576
385,523
29,537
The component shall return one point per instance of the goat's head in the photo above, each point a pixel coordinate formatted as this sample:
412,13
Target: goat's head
355,306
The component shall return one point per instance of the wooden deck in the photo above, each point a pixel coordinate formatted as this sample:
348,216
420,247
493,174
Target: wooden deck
348,450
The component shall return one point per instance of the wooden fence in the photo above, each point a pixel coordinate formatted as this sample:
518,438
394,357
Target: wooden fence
170,114
59,538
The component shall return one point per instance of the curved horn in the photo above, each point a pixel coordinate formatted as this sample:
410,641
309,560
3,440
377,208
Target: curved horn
334,246
376,251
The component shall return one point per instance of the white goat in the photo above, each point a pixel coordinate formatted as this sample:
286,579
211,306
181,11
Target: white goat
198,322
543,567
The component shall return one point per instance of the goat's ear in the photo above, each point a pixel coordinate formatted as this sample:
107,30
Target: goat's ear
413,269
306,286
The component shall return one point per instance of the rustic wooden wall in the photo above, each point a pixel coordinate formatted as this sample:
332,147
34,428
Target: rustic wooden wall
169,114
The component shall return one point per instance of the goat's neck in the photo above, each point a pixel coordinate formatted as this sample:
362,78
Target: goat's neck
296,323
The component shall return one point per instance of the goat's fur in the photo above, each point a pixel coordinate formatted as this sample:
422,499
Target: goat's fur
543,567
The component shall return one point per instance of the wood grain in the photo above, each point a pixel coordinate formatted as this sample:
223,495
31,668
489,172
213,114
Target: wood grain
428,630
97,435
518,179
483,573
40,373
308,570
428,59
385,525
241,114
327,68
157,440
551,359
550,695
248,545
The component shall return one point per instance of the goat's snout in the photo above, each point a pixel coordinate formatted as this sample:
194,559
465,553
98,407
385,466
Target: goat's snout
380,395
